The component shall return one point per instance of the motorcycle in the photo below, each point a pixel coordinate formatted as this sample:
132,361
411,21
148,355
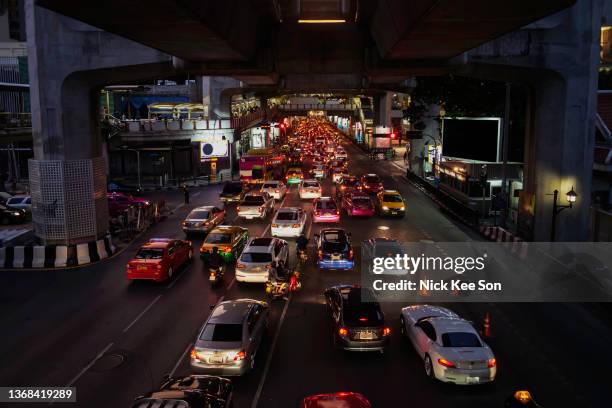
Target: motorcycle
302,256
279,288
215,274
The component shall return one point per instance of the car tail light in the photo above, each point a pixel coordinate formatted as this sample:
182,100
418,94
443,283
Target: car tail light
316,213
240,355
351,254
261,209
386,331
158,266
276,190
363,319
238,208
337,212
446,363
320,254
274,225
295,226
194,354
491,363
343,332
239,265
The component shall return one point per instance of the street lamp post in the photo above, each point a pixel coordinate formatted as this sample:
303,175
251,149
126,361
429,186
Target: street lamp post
557,208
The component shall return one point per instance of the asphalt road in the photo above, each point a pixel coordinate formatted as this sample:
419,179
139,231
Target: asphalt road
89,328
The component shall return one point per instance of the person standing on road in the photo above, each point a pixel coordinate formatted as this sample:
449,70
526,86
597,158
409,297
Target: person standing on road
405,156
186,193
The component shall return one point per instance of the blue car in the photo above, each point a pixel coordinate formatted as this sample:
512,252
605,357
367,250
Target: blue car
334,249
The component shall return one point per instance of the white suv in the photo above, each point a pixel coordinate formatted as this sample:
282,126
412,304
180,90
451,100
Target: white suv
254,262
275,188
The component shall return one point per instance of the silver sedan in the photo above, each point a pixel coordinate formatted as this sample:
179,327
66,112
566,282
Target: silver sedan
229,340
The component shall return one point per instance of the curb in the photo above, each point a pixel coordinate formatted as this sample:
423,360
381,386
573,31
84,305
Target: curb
56,256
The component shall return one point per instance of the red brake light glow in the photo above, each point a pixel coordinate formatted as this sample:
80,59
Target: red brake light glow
386,331
343,332
492,363
240,355
446,363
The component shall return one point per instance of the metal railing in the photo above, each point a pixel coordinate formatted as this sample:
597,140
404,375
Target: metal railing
14,120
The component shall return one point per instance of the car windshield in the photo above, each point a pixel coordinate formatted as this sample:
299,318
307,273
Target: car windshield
350,182
14,200
219,238
372,179
460,339
269,185
392,198
232,188
199,215
363,315
361,201
222,332
256,257
326,205
287,216
254,200
150,253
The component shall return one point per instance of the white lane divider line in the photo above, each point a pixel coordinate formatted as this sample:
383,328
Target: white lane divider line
88,366
231,284
181,205
196,194
142,313
269,359
189,346
309,226
398,166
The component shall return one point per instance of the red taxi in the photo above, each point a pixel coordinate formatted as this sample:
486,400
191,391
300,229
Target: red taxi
336,400
158,259
358,204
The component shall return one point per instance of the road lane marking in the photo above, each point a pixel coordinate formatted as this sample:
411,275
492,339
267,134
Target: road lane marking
142,313
181,205
398,166
231,284
196,194
180,359
269,359
88,366
309,228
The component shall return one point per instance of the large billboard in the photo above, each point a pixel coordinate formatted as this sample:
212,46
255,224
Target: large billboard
471,138
213,148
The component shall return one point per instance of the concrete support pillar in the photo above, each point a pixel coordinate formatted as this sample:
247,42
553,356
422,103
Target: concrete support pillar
219,102
67,174
383,109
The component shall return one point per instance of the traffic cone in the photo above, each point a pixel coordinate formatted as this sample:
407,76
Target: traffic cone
486,327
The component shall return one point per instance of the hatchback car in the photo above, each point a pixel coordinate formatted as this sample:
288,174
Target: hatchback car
192,391
391,202
309,189
325,209
158,259
358,323
318,171
232,192
21,202
451,348
358,204
334,249
229,239
203,219
336,400
371,183
277,189
254,263
288,222
228,342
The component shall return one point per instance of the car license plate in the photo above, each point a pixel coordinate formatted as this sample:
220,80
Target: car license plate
473,380
142,267
216,359
366,335
335,257
393,212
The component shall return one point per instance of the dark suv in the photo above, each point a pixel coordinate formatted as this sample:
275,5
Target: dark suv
232,192
193,391
358,323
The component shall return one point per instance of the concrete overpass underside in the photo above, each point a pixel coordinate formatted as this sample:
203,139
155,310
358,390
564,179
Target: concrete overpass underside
75,49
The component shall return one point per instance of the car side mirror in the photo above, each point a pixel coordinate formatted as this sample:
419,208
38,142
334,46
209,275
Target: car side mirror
212,307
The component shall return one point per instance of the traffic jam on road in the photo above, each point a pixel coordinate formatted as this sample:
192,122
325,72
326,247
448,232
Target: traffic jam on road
316,177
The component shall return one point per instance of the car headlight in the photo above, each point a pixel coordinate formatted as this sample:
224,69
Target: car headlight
17,213
385,208
402,208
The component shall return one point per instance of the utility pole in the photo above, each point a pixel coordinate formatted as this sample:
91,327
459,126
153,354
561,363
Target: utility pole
505,136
